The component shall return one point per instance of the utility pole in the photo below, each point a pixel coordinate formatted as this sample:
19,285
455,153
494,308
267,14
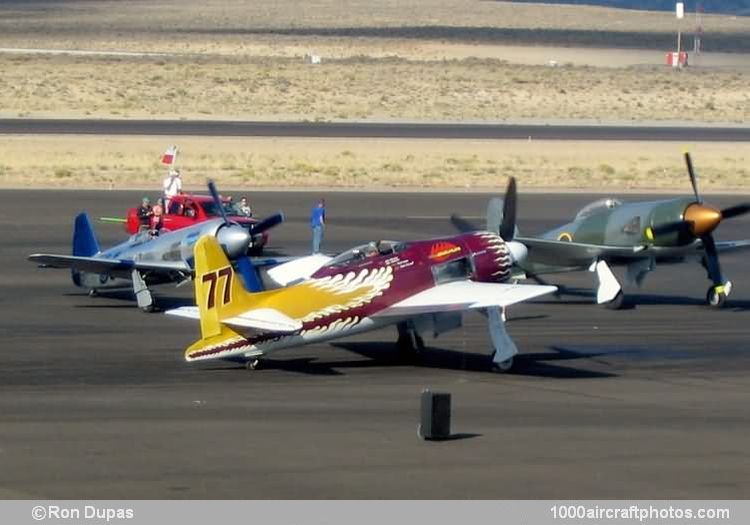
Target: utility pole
698,27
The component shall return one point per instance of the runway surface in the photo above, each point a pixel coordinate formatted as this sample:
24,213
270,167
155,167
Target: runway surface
215,128
96,402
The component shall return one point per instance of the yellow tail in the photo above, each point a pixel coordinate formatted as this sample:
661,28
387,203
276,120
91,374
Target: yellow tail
218,289
219,294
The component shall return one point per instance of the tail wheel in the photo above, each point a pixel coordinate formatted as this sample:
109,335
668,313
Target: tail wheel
716,297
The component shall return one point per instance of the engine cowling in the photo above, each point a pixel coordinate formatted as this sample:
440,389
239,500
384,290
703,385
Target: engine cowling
492,257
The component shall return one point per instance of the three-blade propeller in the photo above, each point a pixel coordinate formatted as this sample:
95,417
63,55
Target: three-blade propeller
698,222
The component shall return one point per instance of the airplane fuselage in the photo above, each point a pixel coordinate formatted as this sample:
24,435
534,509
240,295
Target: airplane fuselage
625,224
390,273
171,247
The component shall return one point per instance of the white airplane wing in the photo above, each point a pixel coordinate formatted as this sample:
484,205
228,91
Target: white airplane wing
465,295
120,267
260,319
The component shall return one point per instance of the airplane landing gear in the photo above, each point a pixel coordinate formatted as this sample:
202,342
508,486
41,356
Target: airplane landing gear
253,364
409,342
142,293
716,297
617,303
609,291
503,367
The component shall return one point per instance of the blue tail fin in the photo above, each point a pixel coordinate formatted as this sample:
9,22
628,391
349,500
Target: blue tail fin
84,240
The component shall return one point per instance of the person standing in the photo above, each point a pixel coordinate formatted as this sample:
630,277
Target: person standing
318,224
245,207
172,186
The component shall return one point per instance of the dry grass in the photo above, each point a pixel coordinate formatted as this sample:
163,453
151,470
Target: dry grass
127,162
363,88
201,26
382,60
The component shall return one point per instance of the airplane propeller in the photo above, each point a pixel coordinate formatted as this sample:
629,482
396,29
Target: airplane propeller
235,237
507,228
501,218
699,221
693,178
217,201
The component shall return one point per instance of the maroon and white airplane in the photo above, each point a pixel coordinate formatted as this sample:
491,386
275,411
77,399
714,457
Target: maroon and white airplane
419,286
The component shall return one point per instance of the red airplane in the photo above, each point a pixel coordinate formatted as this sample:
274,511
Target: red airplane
419,286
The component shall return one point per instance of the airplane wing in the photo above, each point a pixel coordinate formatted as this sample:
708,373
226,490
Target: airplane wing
117,267
261,319
569,255
465,295
564,253
732,246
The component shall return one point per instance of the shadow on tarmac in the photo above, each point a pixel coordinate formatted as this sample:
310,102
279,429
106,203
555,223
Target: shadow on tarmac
378,354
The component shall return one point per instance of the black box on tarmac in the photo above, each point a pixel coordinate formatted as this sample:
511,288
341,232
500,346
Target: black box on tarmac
435,423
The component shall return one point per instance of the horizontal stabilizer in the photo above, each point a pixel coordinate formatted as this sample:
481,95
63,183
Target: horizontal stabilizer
465,295
261,319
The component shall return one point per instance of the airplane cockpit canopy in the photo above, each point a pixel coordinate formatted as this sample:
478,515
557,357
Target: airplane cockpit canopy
597,206
362,252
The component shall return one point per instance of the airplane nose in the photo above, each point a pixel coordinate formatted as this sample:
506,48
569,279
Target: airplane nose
518,251
703,219
235,240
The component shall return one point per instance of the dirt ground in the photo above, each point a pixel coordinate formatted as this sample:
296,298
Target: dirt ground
129,162
362,89
429,60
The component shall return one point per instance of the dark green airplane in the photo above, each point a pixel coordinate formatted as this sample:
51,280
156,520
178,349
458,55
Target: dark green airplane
637,235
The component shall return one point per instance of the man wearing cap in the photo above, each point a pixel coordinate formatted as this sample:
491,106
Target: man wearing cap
172,186
145,211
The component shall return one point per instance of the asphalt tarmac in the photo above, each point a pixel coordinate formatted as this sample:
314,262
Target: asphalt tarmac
96,401
227,128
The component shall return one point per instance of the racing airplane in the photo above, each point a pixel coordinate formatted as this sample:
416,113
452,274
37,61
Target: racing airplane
637,235
419,286
145,260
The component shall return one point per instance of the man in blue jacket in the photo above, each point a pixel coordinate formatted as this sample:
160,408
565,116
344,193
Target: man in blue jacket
318,224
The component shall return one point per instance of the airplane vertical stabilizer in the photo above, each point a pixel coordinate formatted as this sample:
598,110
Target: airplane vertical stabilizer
84,240
218,289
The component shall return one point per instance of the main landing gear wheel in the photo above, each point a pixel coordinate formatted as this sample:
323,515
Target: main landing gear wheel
93,293
409,345
716,297
503,367
150,308
253,364
617,303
